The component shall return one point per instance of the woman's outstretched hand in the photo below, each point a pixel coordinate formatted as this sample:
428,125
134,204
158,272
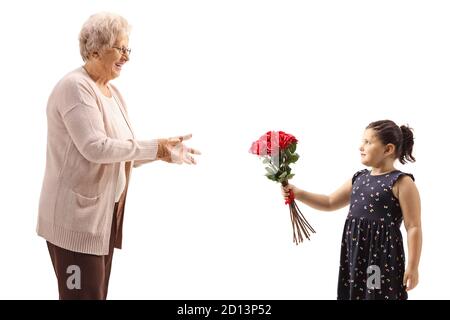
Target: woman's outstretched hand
173,150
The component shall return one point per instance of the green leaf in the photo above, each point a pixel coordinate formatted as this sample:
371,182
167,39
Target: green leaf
290,159
290,176
266,161
294,158
287,155
283,176
270,171
292,147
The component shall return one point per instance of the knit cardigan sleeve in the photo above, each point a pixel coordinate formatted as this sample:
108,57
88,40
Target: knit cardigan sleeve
84,123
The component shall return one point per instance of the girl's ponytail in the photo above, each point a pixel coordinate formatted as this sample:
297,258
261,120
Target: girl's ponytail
407,145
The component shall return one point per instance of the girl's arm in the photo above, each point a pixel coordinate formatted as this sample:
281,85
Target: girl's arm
338,199
409,198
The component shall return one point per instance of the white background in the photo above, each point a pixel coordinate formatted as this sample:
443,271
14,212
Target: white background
228,71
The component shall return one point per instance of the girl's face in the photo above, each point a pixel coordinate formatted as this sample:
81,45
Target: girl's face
373,151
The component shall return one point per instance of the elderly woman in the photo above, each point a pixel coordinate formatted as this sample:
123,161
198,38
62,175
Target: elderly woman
91,149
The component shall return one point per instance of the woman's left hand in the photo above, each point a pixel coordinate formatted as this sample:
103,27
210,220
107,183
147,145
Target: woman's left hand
173,150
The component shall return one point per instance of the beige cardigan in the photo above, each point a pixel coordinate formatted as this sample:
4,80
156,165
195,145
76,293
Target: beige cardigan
84,152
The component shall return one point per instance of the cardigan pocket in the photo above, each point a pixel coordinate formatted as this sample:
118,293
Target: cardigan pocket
88,217
83,201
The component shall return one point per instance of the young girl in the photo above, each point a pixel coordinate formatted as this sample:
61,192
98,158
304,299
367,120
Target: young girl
372,262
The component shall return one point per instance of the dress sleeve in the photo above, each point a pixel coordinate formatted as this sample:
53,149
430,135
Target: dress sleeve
400,174
357,174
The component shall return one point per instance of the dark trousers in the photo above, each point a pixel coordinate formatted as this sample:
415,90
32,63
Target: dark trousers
80,275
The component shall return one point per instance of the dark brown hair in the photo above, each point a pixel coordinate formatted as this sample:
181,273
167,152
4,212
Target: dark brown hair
401,137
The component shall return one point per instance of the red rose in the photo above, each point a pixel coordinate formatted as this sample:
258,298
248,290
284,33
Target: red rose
265,145
259,148
286,140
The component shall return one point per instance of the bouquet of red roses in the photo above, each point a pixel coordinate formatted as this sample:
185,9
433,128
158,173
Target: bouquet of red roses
277,149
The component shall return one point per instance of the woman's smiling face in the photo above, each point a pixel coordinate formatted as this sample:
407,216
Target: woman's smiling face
112,59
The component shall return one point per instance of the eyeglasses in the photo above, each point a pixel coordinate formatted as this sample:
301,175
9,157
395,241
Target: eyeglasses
123,50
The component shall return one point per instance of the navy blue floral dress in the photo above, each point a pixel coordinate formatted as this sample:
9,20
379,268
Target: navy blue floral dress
372,255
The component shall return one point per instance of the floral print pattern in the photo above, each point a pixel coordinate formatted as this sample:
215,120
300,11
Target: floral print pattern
372,261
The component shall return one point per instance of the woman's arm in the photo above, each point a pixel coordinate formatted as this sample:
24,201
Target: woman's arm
83,120
338,199
409,198
139,163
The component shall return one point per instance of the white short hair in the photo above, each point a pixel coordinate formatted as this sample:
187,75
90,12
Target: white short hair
100,31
